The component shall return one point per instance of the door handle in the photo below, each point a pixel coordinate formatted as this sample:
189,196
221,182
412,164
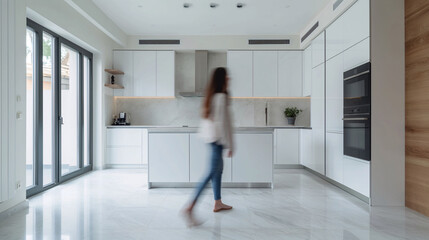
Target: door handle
61,120
355,119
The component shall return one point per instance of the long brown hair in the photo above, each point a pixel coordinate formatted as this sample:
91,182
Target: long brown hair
217,85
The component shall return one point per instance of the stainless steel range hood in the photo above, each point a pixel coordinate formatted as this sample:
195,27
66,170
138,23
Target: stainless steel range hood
201,75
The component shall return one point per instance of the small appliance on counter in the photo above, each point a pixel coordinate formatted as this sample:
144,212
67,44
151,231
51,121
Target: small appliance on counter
123,119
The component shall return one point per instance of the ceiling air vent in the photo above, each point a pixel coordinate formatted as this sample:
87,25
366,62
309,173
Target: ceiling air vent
314,27
336,4
159,42
268,41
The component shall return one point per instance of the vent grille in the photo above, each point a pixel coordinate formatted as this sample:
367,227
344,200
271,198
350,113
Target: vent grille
268,41
314,27
159,42
336,4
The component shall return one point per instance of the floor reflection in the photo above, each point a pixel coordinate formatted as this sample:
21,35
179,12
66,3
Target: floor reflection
116,204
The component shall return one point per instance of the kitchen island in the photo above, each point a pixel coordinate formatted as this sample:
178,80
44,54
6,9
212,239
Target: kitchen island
176,157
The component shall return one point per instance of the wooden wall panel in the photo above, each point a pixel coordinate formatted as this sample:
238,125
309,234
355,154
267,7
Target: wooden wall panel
417,105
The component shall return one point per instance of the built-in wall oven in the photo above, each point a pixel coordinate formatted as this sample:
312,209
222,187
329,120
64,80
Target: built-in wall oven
357,112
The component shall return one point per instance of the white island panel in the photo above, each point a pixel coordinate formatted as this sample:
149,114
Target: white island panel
169,157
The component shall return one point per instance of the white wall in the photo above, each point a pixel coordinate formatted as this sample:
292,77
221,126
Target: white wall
213,43
388,103
58,16
12,86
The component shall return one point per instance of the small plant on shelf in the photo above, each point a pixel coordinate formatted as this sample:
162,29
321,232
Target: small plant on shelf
291,113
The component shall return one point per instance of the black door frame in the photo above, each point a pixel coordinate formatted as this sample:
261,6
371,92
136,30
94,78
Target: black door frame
58,41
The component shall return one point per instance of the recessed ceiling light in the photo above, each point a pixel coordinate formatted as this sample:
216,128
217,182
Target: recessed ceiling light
240,5
213,5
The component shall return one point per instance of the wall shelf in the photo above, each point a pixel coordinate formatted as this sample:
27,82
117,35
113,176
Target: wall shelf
114,71
114,86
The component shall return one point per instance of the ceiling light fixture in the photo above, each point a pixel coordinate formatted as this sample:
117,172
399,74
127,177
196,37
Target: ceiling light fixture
213,5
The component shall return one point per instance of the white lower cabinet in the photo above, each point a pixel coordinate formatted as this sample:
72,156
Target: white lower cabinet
124,147
253,159
286,146
306,147
200,157
318,151
356,174
123,155
334,156
169,157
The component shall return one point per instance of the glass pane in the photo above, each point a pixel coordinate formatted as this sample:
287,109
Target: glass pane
48,170
86,103
30,42
69,110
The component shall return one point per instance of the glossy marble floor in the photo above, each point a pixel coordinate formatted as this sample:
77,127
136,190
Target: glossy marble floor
115,204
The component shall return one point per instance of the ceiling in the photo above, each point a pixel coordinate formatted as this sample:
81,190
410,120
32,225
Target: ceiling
169,17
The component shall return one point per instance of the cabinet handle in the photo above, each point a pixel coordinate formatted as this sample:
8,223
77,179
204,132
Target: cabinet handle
355,119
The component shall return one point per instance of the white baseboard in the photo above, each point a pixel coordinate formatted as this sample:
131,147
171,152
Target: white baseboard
288,166
17,208
126,166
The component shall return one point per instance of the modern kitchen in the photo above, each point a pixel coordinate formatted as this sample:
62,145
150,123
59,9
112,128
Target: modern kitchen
110,108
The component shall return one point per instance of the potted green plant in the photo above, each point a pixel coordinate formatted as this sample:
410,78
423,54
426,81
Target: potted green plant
291,113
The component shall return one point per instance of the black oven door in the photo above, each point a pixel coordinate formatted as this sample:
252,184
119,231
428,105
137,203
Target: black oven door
357,86
357,137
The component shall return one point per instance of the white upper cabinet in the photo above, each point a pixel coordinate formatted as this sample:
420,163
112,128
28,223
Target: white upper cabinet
334,94
290,72
356,23
357,55
240,66
144,73
318,97
265,73
147,73
318,50
123,60
335,38
349,29
306,84
165,66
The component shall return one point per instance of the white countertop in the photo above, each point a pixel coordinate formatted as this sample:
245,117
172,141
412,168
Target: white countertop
155,128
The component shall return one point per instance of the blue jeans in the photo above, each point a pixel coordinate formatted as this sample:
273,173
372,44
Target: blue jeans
215,173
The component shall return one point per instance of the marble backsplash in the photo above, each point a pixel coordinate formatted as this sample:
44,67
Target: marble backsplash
187,111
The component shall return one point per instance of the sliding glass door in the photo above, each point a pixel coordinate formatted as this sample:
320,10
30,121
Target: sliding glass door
69,120
59,120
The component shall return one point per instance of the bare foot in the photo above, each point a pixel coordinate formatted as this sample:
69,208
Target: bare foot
190,219
219,206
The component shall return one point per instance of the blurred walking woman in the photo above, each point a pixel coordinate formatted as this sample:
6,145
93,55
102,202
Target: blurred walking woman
216,130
